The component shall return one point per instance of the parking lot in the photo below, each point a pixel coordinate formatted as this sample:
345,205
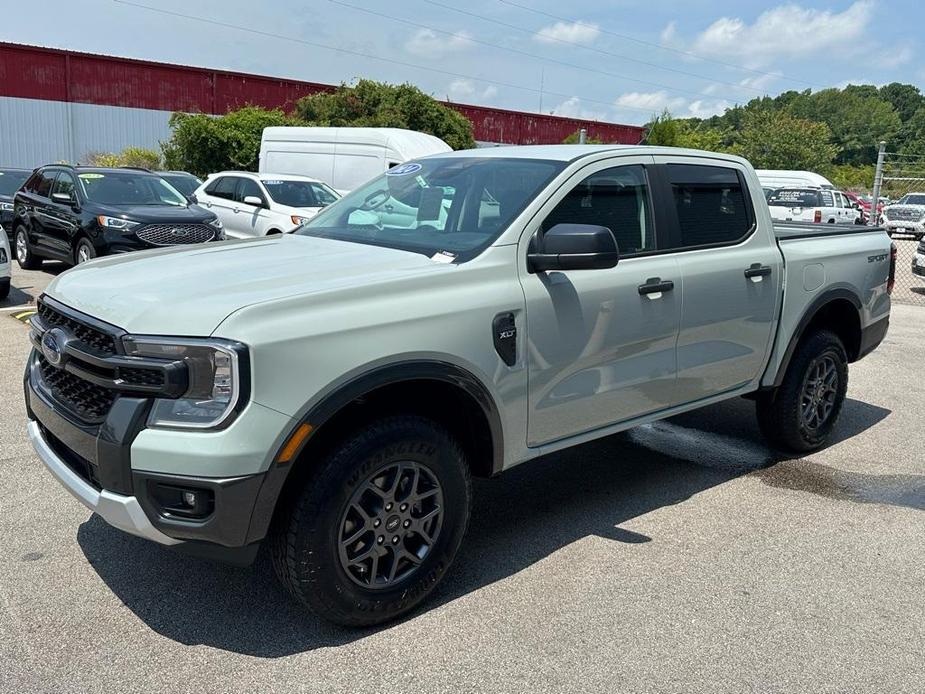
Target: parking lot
682,556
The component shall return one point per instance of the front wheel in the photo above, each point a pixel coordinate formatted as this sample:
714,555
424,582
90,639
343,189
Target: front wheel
24,255
377,528
801,413
83,252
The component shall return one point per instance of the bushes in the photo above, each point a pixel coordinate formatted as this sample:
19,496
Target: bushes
204,144
130,156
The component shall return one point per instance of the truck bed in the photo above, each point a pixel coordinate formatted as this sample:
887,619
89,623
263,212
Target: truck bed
785,231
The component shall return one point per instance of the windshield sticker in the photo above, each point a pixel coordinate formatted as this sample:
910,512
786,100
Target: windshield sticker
88,176
443,257
273,183
403,169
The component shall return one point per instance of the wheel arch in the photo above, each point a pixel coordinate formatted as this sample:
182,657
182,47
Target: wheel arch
445,392
838,310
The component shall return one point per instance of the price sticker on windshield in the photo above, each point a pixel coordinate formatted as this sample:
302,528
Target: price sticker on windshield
403,169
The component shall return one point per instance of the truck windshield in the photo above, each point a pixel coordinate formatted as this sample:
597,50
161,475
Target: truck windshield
11,181
124,188
299,193
794,197
912,200
450,207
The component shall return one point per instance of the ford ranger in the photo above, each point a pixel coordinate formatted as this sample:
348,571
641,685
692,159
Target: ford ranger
333,392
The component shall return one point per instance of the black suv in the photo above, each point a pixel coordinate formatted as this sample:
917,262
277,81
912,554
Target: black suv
10,182
77,213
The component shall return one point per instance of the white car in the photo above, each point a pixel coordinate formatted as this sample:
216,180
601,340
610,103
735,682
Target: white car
5,267
816,205
250,204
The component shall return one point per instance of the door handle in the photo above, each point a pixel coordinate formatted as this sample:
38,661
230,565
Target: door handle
655,285
757,270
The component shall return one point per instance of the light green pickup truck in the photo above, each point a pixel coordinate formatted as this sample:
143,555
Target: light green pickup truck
332,392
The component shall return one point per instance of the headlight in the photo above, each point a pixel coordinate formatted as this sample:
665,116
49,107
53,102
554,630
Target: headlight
299,220
215,370
6,207
217,223
115,223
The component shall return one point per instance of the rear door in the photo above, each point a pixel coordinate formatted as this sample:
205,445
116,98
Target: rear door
38,211
220,199
600,346
731,275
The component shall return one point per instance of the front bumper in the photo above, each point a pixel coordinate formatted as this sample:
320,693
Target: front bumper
904,227
123,512
918,265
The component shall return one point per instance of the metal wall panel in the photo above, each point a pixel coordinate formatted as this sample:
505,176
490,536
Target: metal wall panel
34,132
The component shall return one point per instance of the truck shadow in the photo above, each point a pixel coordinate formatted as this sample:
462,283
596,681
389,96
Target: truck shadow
518,519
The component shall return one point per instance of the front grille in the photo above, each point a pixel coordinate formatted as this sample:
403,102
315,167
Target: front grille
903,214
97,339
140,377
88,401
175,234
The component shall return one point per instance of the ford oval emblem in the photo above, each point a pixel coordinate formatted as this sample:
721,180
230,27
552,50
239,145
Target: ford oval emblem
180,233
53,346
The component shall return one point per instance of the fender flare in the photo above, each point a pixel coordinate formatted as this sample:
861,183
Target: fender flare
366,382
814,307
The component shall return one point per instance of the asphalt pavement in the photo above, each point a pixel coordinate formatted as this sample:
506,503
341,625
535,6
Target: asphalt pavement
679,557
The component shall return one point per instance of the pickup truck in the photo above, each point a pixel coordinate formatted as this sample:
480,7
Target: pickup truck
906,216
332,392
815,205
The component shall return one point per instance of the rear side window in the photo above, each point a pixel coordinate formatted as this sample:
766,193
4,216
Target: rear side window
616,198
711,204
222,187
44,182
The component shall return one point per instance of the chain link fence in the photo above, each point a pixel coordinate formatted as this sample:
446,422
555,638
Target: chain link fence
903,189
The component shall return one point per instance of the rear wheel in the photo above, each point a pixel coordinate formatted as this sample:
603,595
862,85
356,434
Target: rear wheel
24,256
377,528
84,251
801,413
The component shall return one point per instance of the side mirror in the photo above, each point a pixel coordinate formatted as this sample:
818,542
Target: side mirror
192,198
573,247
63,198
253,200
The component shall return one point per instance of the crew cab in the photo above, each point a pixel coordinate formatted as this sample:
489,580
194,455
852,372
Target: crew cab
814,205
906,216
252,204
332,391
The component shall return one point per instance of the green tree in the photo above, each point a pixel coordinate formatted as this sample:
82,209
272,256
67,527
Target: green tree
663,130
204,144
857,122
906,99
379,105
777,140
573,139
130,156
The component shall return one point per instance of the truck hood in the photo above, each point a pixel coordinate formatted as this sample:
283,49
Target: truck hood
191,291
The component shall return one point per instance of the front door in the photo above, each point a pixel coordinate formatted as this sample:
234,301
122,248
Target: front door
731,271
61,220
600,345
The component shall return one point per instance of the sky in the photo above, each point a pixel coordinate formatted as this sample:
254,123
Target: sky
610,60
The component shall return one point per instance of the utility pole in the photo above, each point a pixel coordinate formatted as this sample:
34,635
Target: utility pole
874,217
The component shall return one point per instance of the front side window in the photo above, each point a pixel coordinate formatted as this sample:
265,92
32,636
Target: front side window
64,184
11,181
711,204
125,188
300,193
616,198
248,188
454,206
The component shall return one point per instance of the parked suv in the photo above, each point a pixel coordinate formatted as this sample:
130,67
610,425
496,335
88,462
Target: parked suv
906,215
77,213
252,204
183,181
10,181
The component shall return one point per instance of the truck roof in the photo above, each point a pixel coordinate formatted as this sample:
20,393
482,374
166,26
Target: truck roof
573,152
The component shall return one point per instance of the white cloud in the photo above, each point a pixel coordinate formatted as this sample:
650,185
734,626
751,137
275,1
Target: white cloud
702,108
570,32
572,108
890,58
669,35
786,32
430,44
466,89
761,82
650,101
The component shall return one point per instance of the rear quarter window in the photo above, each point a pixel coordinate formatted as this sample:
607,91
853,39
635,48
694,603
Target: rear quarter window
712,204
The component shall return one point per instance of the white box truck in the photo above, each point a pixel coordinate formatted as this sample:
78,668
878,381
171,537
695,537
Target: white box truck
345,158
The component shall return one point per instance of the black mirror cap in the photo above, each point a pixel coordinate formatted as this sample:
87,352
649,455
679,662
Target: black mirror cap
573,247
